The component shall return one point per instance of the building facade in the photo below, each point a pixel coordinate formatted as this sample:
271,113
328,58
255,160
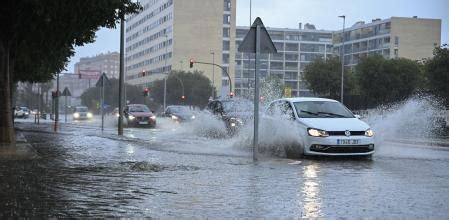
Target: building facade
413,38
168,33
296,48
108,63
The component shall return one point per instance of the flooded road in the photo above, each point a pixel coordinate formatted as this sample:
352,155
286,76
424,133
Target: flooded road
173,171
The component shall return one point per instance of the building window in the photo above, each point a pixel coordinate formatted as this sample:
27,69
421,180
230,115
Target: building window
227,5
396,40
226,32
225,58
226,45
226,19
396,53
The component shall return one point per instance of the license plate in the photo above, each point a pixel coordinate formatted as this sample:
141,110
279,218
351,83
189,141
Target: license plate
143,122
347,141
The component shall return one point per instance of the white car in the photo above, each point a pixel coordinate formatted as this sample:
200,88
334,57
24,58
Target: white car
82,113
326,127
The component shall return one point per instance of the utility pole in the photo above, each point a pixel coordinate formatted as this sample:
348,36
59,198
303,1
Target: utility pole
57,103
213,75
121,73
342,52
163,70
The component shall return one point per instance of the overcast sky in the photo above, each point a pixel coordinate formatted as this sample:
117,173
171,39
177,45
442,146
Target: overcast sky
288,13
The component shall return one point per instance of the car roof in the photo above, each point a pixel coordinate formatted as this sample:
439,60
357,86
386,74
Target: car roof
305,99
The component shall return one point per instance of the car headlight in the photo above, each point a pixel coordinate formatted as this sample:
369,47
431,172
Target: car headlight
174,117
117,114
153,117
369,133
76,115
193,117
236,120
89,115
130,117
317,132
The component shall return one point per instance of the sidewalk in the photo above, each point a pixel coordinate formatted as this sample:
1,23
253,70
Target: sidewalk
22,151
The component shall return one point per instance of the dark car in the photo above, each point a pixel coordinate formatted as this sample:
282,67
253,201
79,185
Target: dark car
235,112
179,113
138,115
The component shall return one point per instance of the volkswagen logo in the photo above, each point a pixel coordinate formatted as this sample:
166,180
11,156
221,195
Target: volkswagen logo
347,133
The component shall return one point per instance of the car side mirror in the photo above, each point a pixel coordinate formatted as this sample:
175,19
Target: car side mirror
358,116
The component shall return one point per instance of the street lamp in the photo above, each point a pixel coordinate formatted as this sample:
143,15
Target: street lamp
165,77
213,75
342,57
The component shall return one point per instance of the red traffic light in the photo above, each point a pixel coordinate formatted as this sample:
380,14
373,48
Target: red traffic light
183,97
191,63
146,92
231,94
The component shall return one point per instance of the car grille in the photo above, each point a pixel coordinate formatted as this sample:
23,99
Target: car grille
142,118
342,148
342,133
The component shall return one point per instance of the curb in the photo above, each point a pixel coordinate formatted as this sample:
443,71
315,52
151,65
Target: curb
428,143
22,151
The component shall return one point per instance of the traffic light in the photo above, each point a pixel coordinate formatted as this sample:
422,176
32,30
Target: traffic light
183,97
231,94
143,73
191,63
146,92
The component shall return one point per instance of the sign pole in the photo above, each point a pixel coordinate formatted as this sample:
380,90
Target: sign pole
65,109
256,96
102,102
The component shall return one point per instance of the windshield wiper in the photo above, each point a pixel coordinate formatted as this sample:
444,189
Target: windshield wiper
333,114
312,113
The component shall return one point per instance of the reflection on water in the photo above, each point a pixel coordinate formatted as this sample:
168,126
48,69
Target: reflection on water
311,191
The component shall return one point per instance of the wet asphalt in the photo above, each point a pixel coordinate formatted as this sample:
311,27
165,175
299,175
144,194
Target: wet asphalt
168,172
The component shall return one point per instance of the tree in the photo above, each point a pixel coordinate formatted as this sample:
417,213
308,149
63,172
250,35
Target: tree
324,77
197,89
39,36
383,81
437,72
91,97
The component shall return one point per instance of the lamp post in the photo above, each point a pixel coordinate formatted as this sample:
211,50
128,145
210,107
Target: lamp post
213,75
121,74
342,52
165,77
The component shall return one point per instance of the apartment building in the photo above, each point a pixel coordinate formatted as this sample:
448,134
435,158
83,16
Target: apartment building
108,63
413,38
296,48
168,33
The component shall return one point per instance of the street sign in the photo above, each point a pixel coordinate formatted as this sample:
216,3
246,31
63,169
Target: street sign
101,83
248,44
257,41
66,92
89,74
102,78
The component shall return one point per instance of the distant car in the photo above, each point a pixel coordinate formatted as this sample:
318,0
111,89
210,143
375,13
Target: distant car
138,115
21,112
234,112
326,127
82,113
179,113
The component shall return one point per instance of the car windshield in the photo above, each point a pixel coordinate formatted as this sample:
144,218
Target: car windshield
322,109
81,109
138,108
24,108
237,106
180,109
